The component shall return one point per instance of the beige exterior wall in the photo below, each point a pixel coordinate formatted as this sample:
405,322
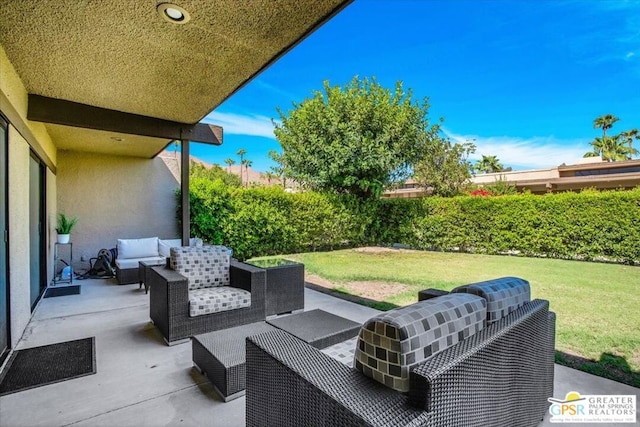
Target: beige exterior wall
115,197
11,86
19,153
19,280
491,178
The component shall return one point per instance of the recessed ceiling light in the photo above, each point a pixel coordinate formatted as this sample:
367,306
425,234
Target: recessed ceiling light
173,13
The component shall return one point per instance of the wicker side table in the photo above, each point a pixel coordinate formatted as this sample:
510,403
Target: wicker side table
143,268
285,285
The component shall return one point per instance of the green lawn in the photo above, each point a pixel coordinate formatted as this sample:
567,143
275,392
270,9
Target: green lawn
597,305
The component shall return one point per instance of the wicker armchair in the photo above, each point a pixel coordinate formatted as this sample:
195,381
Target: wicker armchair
500,376
170,292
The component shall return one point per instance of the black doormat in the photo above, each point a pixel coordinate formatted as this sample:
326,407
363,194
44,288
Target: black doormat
62,291
37,366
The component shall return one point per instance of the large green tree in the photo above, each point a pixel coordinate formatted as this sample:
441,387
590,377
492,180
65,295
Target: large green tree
355,139
279,169
444,167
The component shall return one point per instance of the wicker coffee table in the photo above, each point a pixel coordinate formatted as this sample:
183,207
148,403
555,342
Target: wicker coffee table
317,327
220,355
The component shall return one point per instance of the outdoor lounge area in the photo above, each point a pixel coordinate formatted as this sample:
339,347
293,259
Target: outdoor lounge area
105,106
140,381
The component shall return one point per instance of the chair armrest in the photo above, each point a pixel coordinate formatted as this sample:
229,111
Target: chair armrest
498,375
249,278
169,297
166,275
291,383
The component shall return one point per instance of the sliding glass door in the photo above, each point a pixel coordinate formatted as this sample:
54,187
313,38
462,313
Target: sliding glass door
4,245
36,232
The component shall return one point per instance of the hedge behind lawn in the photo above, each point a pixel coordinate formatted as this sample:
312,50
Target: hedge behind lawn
589,225
260,221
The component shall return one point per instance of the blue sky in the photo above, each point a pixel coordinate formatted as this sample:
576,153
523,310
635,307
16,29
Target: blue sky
522,79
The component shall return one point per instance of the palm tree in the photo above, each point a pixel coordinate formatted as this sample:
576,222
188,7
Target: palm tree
247,165
605,122
229,162
270,177
612,148
241,152
488,164
628,136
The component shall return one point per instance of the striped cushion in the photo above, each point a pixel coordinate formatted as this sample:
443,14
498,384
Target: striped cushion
392,343
503,295
205,266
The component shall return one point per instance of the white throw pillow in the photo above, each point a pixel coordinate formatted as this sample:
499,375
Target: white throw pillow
164,246
138,248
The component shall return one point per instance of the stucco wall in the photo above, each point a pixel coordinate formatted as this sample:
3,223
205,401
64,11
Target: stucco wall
115,197
18,234
19,153
14,90
539,174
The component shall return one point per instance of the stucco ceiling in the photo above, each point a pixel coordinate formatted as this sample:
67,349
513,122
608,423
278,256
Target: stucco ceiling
122,55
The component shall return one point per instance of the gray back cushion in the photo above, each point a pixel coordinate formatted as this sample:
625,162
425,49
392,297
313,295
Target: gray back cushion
205,266
503,295
392,343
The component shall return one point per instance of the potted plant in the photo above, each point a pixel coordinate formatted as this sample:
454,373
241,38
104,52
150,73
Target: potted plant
64,227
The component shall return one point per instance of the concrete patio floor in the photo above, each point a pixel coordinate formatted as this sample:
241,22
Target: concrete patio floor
140,381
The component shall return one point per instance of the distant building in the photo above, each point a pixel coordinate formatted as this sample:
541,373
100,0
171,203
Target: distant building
590,172
409,190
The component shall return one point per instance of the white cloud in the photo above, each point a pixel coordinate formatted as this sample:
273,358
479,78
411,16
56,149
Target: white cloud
274,89
520,153
238,124
630,55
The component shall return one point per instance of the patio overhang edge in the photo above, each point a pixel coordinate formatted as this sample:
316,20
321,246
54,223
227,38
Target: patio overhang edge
62,112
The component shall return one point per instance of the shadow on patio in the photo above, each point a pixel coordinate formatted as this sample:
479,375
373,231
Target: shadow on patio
140,381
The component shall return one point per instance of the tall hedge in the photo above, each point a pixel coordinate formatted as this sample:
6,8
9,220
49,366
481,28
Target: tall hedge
589,225
266,220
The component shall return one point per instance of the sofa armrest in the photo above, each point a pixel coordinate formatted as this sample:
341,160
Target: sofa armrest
497,375
430,293
291,383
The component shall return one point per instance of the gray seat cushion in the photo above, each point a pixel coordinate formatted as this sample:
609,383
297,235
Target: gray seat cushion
392,343
214,300
503,295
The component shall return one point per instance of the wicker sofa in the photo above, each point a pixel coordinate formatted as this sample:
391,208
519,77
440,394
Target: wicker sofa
202,290
151,250
498,375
